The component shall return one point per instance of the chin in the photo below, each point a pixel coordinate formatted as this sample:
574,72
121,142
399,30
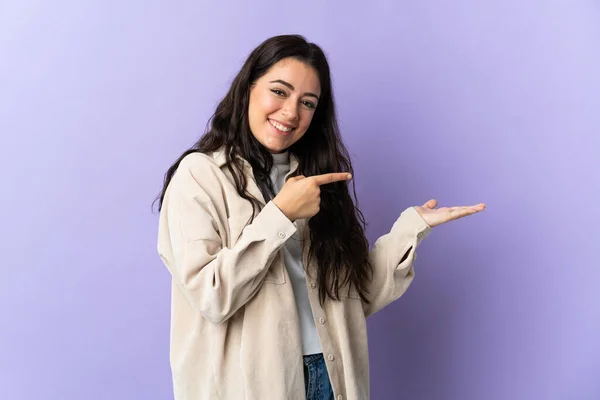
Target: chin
275,147
278,149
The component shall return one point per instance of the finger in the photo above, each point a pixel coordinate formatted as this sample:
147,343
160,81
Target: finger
475,208
330,178
479,206
460,212
430,204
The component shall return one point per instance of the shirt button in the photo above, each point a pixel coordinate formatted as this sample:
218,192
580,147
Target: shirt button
322,320
281,235
340,397
313,285
330,357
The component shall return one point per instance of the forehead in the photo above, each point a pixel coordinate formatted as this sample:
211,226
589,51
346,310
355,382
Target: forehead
302,76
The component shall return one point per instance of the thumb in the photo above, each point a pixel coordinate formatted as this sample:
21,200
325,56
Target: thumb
295,178
430,204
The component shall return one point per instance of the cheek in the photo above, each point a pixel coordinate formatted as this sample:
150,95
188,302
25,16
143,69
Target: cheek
260,106
306,119
268,105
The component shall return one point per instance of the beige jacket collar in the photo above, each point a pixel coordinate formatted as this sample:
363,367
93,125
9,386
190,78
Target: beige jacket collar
220,160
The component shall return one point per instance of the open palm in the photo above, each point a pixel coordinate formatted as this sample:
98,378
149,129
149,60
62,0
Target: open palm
437,216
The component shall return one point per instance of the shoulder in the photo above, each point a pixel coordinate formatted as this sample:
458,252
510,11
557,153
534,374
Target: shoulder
197,172
197,163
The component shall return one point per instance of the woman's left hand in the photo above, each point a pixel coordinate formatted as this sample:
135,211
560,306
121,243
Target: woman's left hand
437,216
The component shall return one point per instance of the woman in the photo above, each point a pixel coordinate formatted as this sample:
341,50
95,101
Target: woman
272,273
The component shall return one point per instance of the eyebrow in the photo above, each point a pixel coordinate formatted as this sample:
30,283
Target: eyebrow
289,85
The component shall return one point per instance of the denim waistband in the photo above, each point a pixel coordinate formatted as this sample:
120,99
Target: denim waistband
311,358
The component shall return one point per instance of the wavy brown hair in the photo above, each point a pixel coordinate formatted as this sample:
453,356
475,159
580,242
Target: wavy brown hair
338,242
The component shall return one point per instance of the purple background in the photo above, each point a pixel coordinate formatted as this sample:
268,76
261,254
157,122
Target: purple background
463,101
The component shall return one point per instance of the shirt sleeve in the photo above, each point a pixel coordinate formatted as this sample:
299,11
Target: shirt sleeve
216,280
392,258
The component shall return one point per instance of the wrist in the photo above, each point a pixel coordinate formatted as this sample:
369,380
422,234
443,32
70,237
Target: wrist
283,209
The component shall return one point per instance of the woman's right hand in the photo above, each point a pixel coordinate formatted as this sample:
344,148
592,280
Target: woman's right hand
300,197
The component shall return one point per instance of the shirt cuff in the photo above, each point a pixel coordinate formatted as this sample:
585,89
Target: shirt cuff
410,222
273,223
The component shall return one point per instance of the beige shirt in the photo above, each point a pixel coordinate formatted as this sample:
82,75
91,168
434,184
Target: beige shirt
234,325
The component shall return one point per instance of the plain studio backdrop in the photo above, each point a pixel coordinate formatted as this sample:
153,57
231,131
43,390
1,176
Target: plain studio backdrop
464,101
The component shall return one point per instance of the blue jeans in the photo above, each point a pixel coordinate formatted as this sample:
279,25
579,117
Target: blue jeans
316,378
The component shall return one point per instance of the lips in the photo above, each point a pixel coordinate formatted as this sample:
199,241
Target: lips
281,128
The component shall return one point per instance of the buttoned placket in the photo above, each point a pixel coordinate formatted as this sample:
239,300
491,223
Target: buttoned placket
321,323
318,312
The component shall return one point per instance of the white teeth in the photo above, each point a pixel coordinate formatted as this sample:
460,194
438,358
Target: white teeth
279,126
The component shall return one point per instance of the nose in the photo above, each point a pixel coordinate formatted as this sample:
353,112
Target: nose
290,110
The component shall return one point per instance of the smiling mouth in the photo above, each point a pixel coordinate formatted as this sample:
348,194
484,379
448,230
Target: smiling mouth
280,127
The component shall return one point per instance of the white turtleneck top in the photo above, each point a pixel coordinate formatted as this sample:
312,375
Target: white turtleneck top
292,253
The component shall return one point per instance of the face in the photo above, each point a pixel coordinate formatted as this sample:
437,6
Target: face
282,104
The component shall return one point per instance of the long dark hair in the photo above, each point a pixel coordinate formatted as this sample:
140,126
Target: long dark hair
338,242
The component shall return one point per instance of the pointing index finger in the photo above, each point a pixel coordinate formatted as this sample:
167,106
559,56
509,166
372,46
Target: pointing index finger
330,178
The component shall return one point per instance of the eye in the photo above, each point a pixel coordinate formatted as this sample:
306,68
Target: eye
309,104
278,92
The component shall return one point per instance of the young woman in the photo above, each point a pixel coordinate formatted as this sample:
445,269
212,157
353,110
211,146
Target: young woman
272,276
